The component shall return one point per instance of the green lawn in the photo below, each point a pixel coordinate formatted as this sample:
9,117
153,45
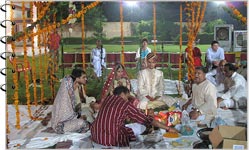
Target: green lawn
131,48
94,87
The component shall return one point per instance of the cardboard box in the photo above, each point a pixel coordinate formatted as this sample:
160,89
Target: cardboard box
226,137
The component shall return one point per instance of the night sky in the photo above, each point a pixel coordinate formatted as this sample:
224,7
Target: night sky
165,10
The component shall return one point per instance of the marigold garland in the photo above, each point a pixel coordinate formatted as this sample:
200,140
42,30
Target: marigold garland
15,80
64,21
180,59
26,77
83,38
33,56
194,21
121,31
7,116
154,26
77,15
44,10
235,13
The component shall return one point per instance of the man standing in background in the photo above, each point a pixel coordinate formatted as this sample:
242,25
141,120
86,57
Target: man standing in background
98,58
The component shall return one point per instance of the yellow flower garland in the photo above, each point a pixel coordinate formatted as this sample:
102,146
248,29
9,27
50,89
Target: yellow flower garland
83,38
15,80
237,13
77,15
121,31
33,57
26,77
194,23
44,10
180,61
64,21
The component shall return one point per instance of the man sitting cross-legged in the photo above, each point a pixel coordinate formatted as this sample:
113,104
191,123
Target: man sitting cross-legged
235,92
203,97
151,86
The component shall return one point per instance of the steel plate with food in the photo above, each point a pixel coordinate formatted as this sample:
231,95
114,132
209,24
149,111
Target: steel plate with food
168,136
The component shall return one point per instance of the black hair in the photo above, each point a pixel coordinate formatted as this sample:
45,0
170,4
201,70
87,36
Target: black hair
120,89
77,73
145,39
231,67
118,66
203,69
214,42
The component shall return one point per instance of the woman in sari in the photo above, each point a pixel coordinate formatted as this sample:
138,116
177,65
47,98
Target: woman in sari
118,77
67,111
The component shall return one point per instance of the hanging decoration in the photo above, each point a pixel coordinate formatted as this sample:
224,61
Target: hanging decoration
19,36
72,11
235,13
195,13
78,14
83,38
122,31
15,80
180,59
26,77
154,26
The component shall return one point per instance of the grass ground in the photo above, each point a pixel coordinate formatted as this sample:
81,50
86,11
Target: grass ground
93,87
131,48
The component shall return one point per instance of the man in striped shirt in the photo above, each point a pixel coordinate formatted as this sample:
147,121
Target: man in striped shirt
108,129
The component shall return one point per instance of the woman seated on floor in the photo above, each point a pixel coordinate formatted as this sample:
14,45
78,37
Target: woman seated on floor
118,77
67,112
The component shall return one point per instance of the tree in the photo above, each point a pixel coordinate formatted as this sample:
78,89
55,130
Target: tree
167,30
209,27
143,28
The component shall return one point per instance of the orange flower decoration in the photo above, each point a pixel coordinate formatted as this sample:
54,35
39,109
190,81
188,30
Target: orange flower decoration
243,19
236,12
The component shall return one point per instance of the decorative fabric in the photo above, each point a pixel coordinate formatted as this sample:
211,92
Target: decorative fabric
64,117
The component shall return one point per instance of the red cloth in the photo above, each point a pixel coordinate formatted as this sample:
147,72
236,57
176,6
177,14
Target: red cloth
197,56
109,129
54,41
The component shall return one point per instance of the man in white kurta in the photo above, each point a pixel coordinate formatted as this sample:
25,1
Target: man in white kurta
151,86
203,99
236,93
98,55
